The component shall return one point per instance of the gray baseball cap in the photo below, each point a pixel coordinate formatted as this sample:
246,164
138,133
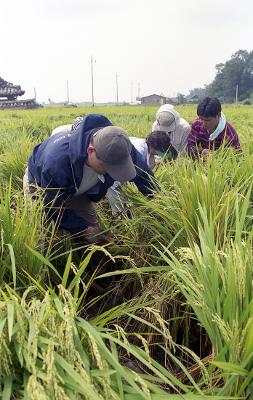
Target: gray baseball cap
166,121
113,148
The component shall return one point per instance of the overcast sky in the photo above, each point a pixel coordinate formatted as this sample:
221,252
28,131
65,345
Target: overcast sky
162,46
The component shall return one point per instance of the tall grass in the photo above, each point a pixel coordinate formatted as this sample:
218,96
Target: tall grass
13,160
175,284
48,352
22,228
217,283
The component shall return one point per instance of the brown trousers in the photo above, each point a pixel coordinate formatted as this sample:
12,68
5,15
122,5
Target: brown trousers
83,207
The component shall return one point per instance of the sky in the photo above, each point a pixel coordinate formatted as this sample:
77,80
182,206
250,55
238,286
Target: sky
153,46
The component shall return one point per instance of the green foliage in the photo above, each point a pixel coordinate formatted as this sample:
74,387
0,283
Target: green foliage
236,71
216,282
22,227
48,352
175,282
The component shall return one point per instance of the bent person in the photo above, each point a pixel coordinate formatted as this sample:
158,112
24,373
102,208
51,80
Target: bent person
211,129
169,120
156,144
76,170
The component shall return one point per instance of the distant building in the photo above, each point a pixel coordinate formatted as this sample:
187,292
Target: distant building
196,95
193,99
155,100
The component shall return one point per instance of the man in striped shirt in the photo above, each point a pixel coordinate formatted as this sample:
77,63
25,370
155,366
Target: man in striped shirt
210,130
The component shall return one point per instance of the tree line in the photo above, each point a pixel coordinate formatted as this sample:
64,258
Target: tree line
233,78
233,81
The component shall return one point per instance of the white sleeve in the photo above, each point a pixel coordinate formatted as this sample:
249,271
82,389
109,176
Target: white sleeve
155,126
186,132
63,129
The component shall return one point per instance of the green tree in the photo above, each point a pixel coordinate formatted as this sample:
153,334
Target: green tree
236,71
181,98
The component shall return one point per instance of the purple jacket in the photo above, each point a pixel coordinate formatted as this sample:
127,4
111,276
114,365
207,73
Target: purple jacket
198,139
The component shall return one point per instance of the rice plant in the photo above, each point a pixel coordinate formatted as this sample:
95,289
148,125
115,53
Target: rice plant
162,311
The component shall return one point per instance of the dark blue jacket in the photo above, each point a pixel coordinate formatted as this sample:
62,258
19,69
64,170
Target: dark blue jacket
57,165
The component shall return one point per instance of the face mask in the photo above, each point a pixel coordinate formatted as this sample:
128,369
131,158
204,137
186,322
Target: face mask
161,154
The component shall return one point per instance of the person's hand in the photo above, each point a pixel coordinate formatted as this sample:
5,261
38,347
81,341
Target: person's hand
158,160
126,213
206,153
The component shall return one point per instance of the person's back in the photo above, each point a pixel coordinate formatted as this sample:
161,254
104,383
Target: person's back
169,120
61,129
75,170
140,145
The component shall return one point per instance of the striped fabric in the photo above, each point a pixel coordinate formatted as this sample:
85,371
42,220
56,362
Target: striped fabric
76,123
198,139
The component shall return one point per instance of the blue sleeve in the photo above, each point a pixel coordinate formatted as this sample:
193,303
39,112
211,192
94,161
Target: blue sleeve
144,180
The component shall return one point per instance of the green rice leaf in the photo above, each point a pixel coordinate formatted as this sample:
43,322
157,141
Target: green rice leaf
7,390
10,318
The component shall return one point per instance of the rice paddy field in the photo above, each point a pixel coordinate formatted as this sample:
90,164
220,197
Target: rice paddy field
162,311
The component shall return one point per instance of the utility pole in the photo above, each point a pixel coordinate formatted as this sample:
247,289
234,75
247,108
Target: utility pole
236,94
131,92
139,90
67,92
92,84
117,89
35,97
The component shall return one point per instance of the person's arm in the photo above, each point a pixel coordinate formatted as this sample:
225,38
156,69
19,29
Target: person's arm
232,139
172,153
155,126
185,135
193,140
145,179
